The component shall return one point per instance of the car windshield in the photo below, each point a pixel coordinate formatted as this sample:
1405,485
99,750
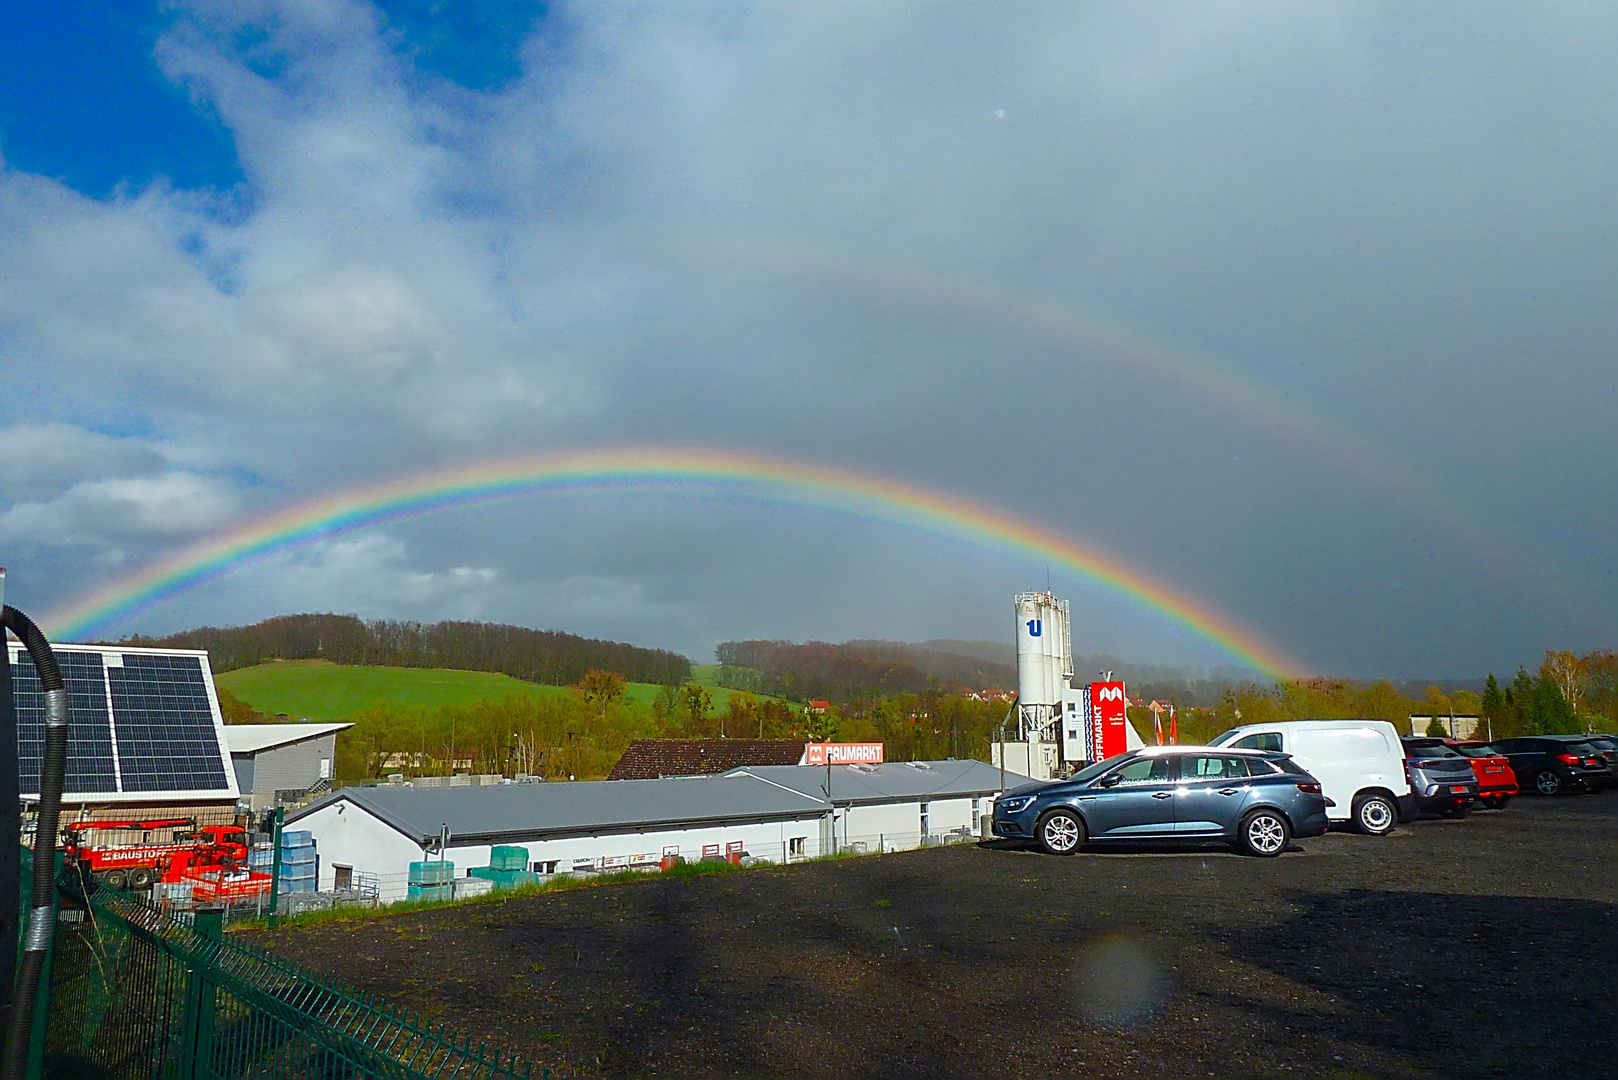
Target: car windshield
1090,772
1429,748
1477,751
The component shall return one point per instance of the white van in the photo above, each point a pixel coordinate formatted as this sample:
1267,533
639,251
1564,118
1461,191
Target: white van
1359,763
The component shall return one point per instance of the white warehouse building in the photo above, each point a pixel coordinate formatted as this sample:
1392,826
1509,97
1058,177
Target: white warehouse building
775,813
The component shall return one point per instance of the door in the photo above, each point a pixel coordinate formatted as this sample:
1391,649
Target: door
1211,793
1140,804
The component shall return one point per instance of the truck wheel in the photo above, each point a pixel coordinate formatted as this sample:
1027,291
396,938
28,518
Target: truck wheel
114,879
141,877
1375,815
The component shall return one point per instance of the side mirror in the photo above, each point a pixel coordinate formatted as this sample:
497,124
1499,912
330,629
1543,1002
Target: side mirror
1110,780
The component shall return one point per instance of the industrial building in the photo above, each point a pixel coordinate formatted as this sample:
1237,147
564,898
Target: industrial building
774,813
278,763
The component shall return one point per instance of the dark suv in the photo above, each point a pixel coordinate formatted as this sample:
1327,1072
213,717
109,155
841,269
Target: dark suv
1442,781
1552,766
1605,745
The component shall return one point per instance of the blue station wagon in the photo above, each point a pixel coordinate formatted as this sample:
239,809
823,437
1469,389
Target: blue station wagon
1256,800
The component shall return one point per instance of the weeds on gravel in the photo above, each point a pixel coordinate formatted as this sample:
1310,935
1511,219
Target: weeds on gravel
562,883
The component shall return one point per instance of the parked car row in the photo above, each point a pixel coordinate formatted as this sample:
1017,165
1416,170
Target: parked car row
1260,785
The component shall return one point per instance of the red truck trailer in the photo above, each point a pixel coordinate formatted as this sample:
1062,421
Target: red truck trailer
213,850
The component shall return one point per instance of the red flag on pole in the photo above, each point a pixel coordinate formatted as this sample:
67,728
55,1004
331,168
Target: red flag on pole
1157,724
1174,728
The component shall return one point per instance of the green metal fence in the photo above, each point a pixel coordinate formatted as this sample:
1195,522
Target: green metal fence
140,993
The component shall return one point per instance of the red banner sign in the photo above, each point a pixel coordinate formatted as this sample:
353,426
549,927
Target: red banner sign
843,753
1108,715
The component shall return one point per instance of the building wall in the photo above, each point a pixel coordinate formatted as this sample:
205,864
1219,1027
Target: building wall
293,767
354,837
243,764
348,834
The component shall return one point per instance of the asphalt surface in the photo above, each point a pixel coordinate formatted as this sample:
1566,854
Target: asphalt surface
1481,947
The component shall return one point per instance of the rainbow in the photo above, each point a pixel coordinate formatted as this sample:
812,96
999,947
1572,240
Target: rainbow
657,469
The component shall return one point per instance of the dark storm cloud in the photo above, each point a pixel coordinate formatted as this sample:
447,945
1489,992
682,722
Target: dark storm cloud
1304,309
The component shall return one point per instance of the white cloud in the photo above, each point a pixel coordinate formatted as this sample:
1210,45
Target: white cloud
806,230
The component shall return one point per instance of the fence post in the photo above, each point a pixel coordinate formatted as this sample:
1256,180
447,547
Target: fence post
196,1040
275,868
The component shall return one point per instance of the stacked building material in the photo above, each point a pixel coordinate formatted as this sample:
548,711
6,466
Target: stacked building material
431,880
507,869
300,865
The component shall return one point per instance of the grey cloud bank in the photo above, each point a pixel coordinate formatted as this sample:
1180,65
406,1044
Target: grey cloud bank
1307,310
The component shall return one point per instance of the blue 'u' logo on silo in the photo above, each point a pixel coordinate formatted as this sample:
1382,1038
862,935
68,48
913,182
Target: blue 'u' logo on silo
1033,627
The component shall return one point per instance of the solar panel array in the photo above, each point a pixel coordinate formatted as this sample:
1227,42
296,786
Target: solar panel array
140,724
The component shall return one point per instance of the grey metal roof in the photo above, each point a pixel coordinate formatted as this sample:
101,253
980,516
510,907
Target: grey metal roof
534,811
511,812
894,781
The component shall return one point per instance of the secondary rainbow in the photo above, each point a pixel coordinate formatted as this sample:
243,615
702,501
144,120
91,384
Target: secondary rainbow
658,469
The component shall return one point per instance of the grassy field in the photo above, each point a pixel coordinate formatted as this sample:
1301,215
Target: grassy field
318,690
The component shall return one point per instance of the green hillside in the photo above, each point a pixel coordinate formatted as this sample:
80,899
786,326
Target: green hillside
320,690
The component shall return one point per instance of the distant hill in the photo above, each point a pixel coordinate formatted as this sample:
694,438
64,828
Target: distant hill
538,656
856,669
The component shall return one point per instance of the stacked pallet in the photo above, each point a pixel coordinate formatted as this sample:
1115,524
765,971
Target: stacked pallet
300,865
507,869
431,880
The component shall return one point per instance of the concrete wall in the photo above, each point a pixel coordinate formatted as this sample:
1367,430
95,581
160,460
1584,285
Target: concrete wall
286,768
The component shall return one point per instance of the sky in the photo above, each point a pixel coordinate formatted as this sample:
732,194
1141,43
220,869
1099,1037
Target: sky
1307,311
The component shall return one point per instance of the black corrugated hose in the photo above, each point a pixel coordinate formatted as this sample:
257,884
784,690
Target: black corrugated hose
42,910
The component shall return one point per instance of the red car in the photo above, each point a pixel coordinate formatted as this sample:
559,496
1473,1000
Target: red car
1496,782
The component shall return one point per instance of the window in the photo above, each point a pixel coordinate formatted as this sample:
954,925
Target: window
1264,740
1147,770
1259,767
1213,768
977,815
795,845
342,876
924,821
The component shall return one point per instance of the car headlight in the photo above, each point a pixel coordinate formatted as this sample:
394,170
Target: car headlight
1016,805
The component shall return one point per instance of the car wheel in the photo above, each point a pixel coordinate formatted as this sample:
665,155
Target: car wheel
1501,802
141,878
114,879
1375,815
1264,833
1548,783
1060,832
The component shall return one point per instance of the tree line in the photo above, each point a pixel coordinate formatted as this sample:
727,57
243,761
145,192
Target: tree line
853,672
538,656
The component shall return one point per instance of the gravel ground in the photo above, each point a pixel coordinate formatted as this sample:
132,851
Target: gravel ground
1481,947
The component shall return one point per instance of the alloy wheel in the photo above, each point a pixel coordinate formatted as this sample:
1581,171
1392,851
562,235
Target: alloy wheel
1548,783
1060,833
1266,834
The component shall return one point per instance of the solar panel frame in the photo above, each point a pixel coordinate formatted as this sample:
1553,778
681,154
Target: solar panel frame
158,725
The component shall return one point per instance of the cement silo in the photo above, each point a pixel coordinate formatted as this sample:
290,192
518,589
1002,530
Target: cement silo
1044,660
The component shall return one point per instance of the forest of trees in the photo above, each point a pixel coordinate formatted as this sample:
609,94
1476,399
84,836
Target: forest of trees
855,671
537,656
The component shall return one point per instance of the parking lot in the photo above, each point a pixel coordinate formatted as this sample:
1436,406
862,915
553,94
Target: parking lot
1485,946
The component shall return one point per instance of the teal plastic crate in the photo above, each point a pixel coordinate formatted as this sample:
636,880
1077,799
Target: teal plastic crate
429,892
508,858
432,872
297,838
504,879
